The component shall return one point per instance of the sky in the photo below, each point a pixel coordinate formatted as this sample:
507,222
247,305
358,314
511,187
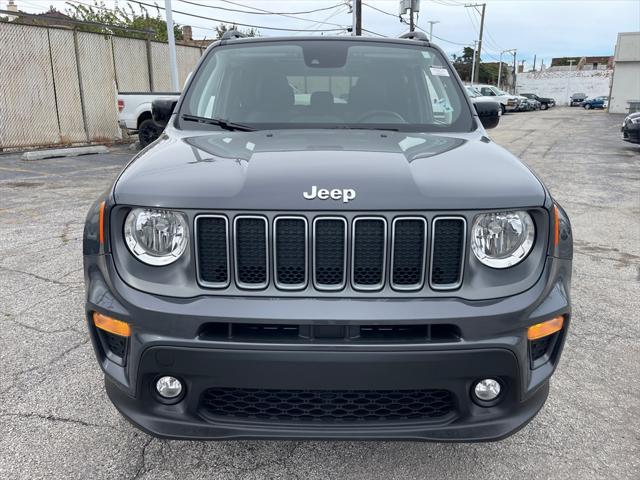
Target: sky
546,28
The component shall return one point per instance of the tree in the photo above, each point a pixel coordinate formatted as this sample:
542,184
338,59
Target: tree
223,28
488,72
120,19
463,64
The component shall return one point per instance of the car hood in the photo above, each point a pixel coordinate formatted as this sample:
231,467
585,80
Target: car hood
270,170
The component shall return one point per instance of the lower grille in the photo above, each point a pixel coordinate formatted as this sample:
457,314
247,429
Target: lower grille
332,334
326,406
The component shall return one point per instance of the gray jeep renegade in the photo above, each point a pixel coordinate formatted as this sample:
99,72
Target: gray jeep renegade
324,243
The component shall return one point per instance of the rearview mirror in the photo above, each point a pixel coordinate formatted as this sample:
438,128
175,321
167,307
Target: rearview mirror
161,110
488,113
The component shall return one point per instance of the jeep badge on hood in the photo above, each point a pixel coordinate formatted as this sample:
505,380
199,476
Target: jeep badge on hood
346,194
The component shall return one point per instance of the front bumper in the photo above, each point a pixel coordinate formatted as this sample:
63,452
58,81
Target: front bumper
166,341
631,132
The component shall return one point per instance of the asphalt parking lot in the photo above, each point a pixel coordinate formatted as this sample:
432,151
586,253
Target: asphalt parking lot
57,422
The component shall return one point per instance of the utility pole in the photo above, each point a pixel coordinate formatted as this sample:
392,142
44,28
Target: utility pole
473,62
173,65
534,62
431,24
500,66
514,71
414,7
412,26
475,5
358,10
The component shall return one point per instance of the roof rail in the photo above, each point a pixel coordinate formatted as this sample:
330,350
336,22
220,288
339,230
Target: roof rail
415,36
229,34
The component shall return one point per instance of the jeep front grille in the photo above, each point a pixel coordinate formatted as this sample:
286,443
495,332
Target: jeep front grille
330,253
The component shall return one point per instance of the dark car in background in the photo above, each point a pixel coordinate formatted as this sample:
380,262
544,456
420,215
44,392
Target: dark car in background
631,128
576,99
545,102
597,102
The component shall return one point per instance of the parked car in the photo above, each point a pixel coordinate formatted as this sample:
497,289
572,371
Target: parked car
134,114
352,270
476,97
509,102
576,99
598,102
631,128
526,105
545,102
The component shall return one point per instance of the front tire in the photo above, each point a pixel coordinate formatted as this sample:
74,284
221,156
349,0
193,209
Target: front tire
503,109
148,132
544,106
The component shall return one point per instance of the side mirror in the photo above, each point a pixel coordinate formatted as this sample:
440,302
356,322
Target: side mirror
161,110
488,113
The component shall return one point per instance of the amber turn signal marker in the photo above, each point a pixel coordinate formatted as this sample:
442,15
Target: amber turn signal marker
111,325
101,223
544,329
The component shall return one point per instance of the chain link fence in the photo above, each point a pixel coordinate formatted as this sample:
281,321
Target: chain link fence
59,86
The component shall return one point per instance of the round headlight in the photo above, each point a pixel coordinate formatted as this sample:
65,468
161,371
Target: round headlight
156,237
502,239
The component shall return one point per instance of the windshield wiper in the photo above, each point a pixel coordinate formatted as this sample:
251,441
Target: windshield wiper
220,122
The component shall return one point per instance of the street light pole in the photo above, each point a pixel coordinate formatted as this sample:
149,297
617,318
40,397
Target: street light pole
431,24
173,65
511,50
473,62
500,70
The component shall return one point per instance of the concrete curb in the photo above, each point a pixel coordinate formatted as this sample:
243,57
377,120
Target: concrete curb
63,152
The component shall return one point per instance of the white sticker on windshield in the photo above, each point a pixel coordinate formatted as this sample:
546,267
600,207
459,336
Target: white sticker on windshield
439,71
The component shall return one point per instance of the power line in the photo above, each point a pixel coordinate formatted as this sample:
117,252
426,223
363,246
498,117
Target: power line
266,12
381,11
314,26
262,27
374,33
259,11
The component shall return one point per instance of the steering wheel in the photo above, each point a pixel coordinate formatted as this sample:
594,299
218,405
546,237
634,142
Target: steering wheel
371,113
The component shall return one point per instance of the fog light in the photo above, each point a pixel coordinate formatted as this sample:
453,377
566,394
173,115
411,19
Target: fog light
487,390
168,387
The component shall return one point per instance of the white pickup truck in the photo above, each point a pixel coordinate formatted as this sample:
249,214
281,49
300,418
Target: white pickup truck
134,114
508,102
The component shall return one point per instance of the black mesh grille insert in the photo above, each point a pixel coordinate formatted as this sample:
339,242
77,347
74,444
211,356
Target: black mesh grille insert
368,252
448,242
408,252
540,346
251,251
212,250
290,251
115,343
329,252
327,406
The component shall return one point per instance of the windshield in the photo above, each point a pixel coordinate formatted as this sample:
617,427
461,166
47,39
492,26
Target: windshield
326,84
473,93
